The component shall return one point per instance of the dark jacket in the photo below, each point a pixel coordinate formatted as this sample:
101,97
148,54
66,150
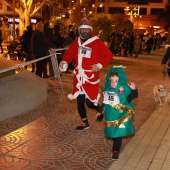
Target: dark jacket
166,57
53,41
39,46
0,35
26,41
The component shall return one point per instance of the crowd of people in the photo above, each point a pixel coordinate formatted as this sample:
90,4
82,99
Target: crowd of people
130,44
87,55
2,51
36,44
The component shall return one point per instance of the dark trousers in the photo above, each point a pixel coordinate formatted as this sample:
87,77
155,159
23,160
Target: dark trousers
117,143
136,53
1,47
50,68
29,57
41,68
149,48
81,100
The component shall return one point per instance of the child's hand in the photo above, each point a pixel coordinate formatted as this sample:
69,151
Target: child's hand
97,114
132,85
99,117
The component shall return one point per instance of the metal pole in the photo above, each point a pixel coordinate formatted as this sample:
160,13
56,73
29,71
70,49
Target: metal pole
13,33
131,15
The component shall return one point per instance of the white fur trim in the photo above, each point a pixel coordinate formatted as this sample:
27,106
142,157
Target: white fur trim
119,66
100,66
98,97
85,26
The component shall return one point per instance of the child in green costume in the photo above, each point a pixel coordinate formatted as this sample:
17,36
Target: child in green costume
118,107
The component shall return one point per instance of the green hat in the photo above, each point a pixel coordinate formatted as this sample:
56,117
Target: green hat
122,76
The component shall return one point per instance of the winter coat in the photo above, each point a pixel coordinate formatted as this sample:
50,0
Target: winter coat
39,43
86,54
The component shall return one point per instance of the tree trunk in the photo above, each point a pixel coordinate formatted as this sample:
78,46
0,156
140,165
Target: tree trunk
24,21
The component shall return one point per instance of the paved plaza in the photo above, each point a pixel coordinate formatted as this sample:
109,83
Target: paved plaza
45,138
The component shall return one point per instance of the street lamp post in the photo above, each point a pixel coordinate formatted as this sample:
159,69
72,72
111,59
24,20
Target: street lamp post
132,11
13,33
101,6
95,9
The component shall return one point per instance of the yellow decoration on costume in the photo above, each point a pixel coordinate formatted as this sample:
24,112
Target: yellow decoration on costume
122,126
124,119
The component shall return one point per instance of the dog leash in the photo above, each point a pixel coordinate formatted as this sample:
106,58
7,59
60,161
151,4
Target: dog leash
163,73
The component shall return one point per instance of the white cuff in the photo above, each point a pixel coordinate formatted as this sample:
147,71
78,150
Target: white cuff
100,66
66,66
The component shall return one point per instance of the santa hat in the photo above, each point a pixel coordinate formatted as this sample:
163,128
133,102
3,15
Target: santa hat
84,23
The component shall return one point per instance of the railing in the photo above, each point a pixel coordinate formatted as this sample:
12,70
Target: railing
53,56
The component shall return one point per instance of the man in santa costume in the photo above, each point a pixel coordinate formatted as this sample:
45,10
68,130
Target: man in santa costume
90,55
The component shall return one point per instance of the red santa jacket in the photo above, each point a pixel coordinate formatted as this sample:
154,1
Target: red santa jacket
86,54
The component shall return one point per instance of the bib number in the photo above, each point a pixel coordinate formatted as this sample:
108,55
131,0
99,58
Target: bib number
111,98
85,52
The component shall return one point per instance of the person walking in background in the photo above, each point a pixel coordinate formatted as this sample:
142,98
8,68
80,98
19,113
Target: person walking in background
125,45
131,43
149,44
39,48
91,55
57,34
65,36
73,32
137,45
112,43
2,51
164,41
25,42
118,108
67,40
53,42
159,42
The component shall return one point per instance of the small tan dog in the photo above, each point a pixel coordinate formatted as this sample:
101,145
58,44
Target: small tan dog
160,92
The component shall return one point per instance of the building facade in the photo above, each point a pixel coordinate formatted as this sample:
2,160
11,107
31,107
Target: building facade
145,15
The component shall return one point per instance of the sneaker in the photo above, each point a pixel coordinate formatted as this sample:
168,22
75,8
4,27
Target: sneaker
83,126
115,155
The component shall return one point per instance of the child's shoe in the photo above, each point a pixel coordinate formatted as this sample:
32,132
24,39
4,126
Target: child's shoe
115,155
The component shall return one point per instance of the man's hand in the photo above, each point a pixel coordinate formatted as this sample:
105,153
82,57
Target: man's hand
95,68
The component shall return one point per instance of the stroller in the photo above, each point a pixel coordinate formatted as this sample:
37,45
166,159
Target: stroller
14,51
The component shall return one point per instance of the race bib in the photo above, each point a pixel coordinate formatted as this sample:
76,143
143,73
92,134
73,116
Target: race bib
85,52
111,98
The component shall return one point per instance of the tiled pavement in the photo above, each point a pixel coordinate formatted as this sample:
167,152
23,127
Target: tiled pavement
45,138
